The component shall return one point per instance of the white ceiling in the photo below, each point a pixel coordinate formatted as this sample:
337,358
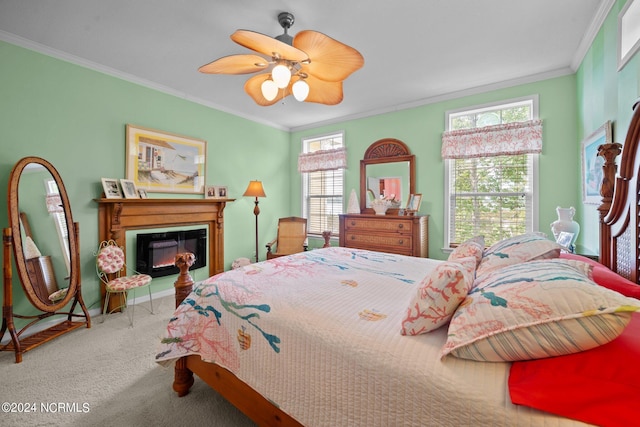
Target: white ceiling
416,51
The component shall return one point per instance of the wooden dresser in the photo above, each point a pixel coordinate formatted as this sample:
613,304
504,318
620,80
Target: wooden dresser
404,235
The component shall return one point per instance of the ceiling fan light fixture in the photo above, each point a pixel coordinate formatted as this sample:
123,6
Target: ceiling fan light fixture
269,90
300,90
281,75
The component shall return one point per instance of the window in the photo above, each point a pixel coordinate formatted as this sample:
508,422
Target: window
493,193
322,190
59,219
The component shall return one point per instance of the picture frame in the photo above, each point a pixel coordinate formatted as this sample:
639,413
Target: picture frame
592,173
221,192
564,239
163,162
129,189
628,32
111,188
142,193
210,192
413,204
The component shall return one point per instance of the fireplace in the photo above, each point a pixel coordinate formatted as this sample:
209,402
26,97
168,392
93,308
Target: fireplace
156,252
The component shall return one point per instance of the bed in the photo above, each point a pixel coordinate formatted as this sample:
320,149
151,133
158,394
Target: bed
342,337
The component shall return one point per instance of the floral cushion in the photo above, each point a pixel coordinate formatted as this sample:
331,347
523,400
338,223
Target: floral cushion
58,295
517,249
534,310
471,248
438,295
110,259
128,282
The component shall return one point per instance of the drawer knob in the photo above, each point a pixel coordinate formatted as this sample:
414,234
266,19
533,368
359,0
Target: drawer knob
353,237
353,223
401,241
400,225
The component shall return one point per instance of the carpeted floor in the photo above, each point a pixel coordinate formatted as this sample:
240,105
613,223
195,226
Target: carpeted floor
106,376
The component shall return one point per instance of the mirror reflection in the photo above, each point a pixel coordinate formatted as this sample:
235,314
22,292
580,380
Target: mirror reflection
43,231
388,180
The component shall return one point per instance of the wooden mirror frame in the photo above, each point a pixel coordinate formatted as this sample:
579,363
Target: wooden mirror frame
386,150
12,237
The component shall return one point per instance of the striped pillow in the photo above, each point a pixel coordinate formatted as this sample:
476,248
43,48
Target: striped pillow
534,310
515,250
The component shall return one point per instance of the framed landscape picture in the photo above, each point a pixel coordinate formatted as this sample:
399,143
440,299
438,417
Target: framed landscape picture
163,162
592,163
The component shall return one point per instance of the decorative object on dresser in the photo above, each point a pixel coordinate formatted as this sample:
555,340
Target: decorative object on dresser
165,162
354,205
38,277
387,160
255,190
565,224
405,235
413,204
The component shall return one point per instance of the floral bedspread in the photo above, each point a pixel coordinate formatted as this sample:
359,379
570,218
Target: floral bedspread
318,334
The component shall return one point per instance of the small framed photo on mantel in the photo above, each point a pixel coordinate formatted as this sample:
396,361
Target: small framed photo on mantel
215,192
111,188
129,189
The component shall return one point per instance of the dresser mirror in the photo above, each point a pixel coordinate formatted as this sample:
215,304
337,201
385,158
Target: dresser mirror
44,241
388,168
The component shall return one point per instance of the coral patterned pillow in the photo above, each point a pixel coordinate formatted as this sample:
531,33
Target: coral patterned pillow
534,310
517,249
438,296
110,259
471,248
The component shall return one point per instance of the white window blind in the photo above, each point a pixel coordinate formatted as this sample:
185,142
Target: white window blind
323,190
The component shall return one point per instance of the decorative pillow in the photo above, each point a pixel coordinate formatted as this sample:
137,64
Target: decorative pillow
438,296
58,295
517,249
603,276
471,248
110,259
533,310
600,386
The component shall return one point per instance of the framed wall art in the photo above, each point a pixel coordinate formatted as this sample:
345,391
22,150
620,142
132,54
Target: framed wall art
592,163
163,162
413,204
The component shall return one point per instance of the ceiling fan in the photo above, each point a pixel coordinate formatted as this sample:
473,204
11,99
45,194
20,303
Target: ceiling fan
310,66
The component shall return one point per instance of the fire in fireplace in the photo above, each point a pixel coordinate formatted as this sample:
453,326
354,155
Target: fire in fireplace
156,252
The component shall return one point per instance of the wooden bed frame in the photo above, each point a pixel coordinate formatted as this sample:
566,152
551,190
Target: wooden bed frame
619,250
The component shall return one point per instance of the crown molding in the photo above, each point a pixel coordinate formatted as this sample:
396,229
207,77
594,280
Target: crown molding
591,33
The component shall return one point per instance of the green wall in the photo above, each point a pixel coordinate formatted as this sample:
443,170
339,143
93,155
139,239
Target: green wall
75,118
604,93
421,129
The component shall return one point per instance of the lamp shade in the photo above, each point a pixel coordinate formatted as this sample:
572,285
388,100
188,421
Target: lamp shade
300,90
281,75
254,190
269,90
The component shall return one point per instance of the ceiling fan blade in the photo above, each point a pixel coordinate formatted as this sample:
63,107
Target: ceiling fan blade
235,64
253,87
268,45
331,60
324,92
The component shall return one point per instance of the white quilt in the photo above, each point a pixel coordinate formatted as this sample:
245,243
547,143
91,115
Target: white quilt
318,334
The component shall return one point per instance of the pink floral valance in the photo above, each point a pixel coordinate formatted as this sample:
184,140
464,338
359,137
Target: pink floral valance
498,140
54,203
323,160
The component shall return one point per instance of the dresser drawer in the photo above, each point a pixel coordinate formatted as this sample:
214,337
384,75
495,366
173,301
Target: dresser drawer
375,224
368,240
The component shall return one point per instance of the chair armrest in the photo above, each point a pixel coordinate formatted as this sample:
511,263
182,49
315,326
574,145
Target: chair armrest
270,244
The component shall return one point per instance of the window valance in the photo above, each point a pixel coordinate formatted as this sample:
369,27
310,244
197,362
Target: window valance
54,203
499,140
323,160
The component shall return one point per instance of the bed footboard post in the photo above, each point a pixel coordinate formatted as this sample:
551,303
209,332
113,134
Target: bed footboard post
183,377
609,152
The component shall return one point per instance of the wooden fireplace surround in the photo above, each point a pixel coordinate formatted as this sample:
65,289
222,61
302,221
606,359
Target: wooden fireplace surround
117,216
